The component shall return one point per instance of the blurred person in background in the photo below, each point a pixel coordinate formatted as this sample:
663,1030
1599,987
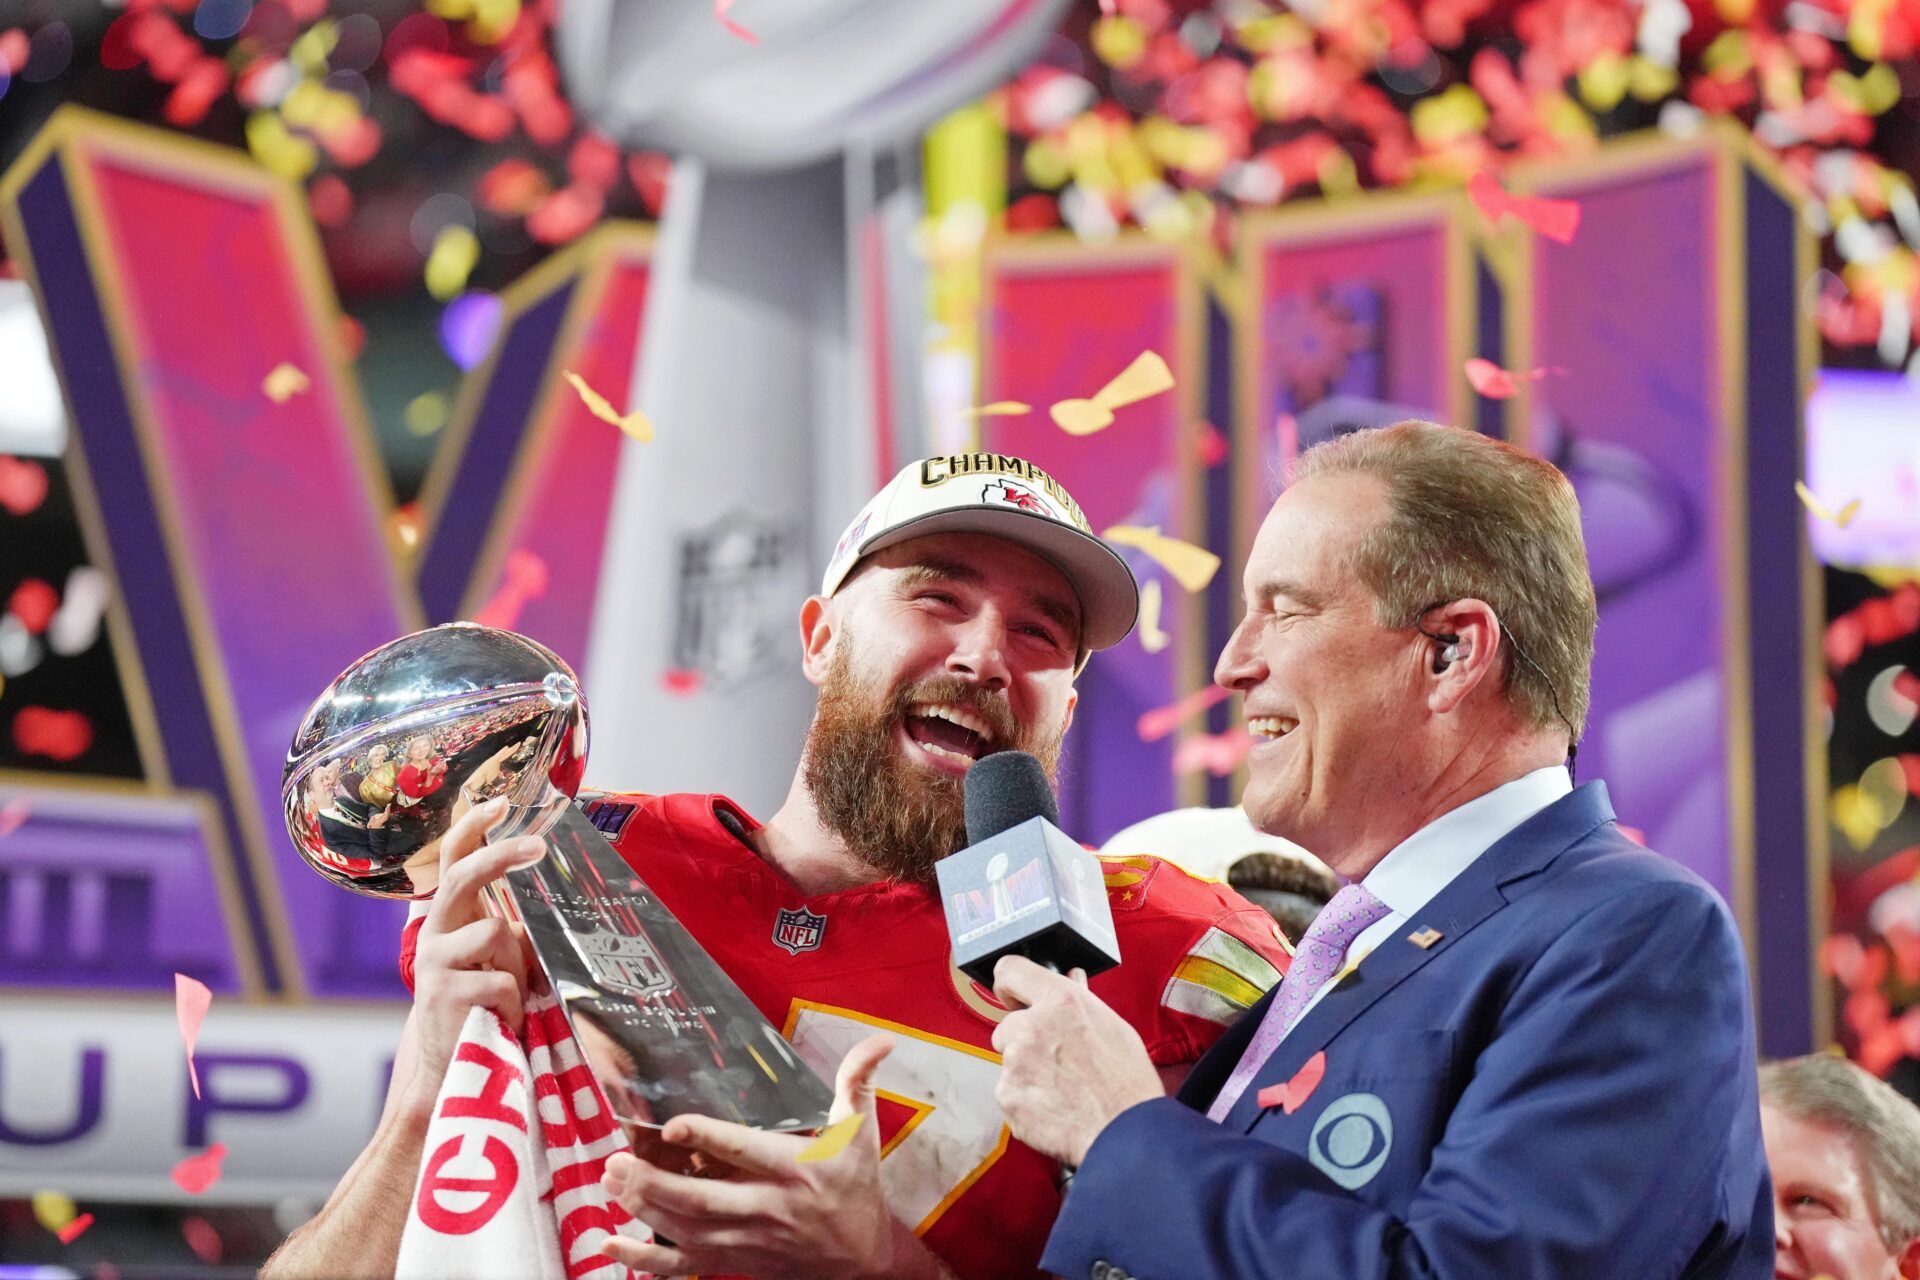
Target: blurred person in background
1844,1149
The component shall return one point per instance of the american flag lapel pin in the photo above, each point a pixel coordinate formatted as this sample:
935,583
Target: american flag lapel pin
1425,938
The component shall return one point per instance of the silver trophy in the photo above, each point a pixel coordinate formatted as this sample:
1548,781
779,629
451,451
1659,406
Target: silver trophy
419,731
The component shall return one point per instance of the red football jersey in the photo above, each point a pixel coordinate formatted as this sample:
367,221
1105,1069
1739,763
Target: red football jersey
831,969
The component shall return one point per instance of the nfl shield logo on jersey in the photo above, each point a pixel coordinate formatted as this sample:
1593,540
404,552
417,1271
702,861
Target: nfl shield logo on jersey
799,931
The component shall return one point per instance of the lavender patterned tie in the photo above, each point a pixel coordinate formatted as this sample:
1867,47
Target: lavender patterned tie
1318,958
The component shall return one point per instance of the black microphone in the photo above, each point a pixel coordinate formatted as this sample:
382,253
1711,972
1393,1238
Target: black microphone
1022,886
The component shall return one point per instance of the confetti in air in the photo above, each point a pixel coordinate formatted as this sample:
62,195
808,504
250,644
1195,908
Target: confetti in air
1292,1095
999,409
196,1173
635,424
1152,638
284,383
54,1209
1192,567
1217,753
1147,376
23,485
1161,721
191,1000
681,682
1212,447
524,580
832,1140
1555,219
720,8
1839,519
1495,383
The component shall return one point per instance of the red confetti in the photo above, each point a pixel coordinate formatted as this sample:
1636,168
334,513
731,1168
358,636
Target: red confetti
23,485
566,214
354,145
594,162
1292,1095
34,602
196,1173
680,682
203,1238
1554,219
330,200
1212,447
1162,721
58,735
197,91
648,172
191,999
525,580
353,337
1495,383
1218,753
75,1229
14,49
117,47
720,8
513,188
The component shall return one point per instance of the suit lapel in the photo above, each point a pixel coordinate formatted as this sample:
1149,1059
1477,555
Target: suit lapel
1455,911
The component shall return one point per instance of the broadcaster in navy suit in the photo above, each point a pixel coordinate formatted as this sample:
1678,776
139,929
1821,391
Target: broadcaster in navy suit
1517,1044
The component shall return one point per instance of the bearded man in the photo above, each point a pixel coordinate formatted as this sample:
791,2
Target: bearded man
954,617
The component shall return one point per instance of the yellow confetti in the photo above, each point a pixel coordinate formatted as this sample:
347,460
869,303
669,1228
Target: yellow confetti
832,1140
1352,966
54,1209
1147,376
309,53
1152,638
999,409
455,251
1839,519
634,424
278,149
426,413
1119,41
284,383
1193,567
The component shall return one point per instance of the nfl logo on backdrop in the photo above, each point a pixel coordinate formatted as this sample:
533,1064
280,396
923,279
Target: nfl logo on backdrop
799,931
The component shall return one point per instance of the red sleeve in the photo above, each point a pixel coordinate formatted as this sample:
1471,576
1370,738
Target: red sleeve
409,939
1195,956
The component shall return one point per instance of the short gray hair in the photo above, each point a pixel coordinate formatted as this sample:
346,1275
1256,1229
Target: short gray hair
1474,517
1884,1125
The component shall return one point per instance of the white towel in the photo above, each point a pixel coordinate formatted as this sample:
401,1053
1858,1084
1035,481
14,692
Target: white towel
510,1174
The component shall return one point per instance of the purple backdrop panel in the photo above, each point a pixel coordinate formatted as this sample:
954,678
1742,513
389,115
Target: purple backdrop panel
117,890
1345,314
232,475
279,525
1061,321
522,529
1627,321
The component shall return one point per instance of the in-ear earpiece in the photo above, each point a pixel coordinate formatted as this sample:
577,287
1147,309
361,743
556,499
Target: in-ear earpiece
1449,652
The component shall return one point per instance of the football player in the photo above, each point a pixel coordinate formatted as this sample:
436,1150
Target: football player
954,616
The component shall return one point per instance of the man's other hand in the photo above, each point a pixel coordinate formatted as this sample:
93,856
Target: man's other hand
1068,1063
764,1213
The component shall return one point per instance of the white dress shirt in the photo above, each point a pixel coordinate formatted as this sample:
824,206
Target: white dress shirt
1423,864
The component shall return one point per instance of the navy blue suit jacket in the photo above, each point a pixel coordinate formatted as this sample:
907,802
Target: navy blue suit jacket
1562,1086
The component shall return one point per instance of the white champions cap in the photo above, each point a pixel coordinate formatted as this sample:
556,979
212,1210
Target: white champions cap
1005,497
